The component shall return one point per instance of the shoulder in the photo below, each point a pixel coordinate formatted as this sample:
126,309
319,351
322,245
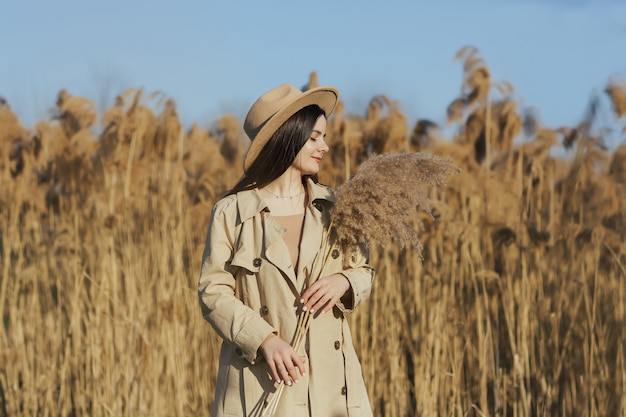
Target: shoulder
225,204
324,187
223,223
322,192
322,197
225,209
241,206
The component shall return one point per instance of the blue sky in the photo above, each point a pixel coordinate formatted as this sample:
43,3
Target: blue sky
214,57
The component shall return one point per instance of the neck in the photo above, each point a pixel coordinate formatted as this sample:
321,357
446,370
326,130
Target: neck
285,186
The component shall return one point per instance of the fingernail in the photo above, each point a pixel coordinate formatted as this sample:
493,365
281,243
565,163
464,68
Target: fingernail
304,308
289,383
302,300
312,310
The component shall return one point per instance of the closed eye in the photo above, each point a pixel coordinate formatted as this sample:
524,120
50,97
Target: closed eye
316,134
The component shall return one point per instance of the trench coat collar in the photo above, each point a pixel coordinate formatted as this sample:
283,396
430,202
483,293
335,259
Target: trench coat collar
250,203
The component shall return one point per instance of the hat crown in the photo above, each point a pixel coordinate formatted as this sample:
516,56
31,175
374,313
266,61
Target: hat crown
267,106
275,107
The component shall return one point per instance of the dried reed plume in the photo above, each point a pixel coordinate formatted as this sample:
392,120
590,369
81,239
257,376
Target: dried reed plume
375,203
617,92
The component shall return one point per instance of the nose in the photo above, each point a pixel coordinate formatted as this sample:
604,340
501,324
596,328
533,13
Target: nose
324,146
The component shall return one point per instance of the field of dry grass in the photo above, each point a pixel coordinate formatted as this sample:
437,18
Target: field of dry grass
518,307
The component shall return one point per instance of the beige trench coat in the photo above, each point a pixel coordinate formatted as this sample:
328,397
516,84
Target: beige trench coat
249,289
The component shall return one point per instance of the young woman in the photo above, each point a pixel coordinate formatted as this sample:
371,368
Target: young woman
268,259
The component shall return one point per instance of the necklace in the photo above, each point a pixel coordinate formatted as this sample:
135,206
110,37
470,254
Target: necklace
283,196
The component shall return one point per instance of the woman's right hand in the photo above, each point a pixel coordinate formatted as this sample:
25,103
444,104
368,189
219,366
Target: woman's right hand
283,360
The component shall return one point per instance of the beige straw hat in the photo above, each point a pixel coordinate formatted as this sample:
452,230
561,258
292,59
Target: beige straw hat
273,109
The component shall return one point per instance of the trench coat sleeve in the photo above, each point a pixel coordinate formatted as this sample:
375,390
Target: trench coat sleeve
228,315
360,275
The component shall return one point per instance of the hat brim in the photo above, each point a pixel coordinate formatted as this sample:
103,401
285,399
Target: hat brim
325,97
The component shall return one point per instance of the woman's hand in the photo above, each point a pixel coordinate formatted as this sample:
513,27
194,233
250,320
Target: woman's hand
283,360
324,293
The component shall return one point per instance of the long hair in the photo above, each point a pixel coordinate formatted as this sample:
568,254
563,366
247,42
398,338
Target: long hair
281,150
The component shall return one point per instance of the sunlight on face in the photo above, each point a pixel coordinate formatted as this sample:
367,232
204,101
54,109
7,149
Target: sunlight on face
308,159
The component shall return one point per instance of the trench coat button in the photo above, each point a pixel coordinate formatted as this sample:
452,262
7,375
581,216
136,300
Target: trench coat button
335,254
264,310
238,352
344,390
256,262
337,345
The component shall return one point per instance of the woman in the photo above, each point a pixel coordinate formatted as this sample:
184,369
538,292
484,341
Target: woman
268,259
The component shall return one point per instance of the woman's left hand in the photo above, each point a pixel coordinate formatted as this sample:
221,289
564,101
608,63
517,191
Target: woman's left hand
324,293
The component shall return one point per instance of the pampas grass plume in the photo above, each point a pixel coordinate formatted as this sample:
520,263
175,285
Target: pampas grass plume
376,202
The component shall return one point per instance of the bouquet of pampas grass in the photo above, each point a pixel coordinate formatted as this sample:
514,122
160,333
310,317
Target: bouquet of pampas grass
374,205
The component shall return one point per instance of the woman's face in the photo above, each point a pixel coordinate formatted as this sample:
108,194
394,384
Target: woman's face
308,159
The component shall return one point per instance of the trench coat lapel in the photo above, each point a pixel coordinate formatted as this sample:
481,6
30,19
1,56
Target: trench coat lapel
250,203
276,251
313,230
311,242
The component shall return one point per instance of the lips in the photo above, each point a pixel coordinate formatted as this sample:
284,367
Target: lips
318,159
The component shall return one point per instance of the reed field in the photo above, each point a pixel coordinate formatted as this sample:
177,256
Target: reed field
515,306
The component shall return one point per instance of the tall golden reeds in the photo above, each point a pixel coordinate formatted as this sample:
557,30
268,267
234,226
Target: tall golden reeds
517,307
